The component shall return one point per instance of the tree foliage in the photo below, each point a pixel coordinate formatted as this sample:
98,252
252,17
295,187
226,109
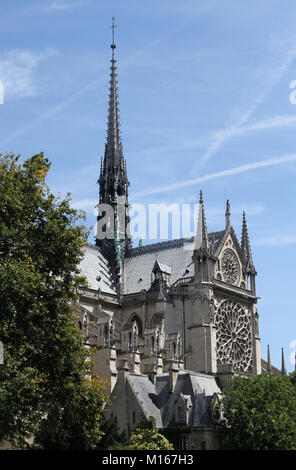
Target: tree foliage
148,439
261,412
144,437
46,376
112,437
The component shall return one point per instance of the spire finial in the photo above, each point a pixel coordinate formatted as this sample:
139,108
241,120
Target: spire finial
113,28
200,197
227,213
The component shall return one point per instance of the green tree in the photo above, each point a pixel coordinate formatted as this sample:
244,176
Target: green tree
148,439
144,437
261,412
46,376
112,436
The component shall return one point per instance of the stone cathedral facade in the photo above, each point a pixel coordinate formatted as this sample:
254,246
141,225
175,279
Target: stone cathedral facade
172,320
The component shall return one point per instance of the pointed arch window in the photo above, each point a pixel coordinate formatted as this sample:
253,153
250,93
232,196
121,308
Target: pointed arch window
139,323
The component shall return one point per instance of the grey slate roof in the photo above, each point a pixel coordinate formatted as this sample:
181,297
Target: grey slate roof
173,256
144,391
264,368
156,400
177,254
93,266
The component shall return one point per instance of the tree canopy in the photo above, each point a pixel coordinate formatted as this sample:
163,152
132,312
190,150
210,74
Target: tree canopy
148,439
46,376
261,412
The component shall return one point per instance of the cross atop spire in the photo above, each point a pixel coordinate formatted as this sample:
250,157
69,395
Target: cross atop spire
113,46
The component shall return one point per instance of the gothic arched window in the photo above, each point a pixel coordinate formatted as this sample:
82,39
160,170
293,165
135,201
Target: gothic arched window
139,323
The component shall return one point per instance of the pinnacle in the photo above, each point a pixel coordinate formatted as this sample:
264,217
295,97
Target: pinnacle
202,240
200,197
245,243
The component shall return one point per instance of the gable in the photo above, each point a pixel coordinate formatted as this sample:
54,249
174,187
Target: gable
230,265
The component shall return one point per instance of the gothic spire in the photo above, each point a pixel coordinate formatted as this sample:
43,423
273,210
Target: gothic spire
203,252
113,179
245,243
202,238
113,235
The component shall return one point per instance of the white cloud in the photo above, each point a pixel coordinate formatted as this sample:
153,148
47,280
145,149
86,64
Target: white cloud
17,67
276,121
231,132
281,240
63,5
221,174
86,204
220,137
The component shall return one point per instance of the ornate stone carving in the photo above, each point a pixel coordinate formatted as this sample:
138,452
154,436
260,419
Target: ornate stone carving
230,266
234,335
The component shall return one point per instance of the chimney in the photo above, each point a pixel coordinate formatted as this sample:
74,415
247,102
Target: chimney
135,362
123,370
150,369
173,374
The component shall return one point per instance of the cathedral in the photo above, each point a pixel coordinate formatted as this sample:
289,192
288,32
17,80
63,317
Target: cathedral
171,322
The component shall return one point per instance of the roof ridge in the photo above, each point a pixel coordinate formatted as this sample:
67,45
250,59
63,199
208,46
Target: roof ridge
159,245
165,244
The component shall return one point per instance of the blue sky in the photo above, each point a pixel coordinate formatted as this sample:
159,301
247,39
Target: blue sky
204,104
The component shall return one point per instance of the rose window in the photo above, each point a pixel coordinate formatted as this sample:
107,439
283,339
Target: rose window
230,266
234,338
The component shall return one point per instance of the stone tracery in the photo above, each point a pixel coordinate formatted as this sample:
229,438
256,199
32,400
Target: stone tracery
230,266
234,338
